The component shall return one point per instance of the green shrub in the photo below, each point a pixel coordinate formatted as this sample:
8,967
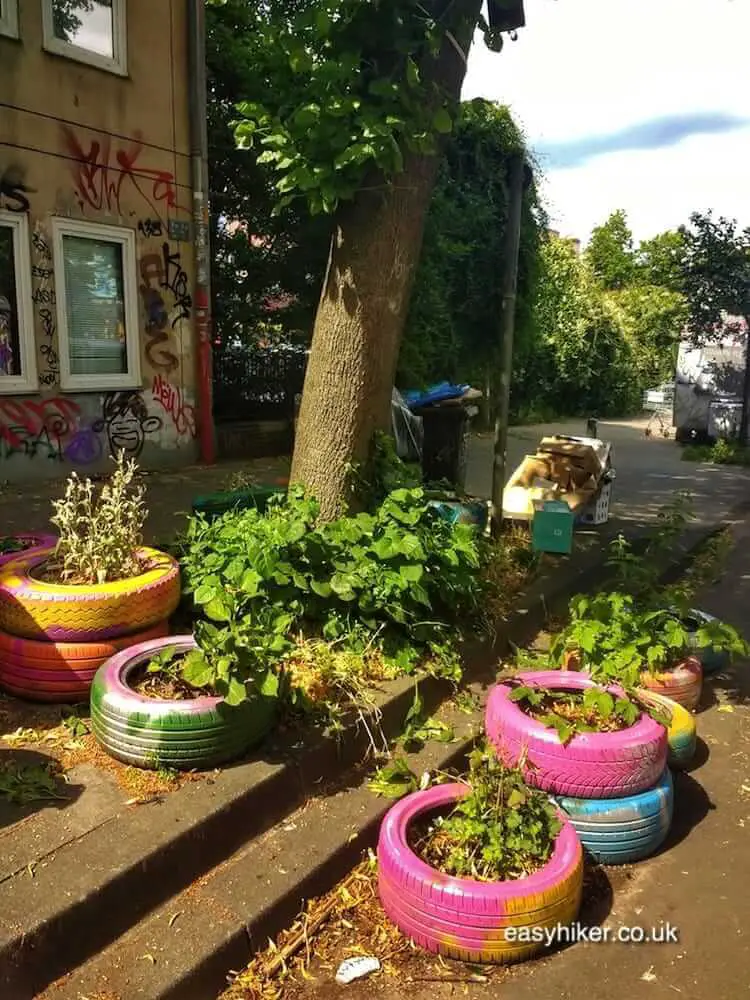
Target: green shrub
400,576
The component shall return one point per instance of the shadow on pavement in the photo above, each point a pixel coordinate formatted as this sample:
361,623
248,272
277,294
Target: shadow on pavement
29,782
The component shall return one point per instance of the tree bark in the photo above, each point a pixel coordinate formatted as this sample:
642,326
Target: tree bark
745,418
358,327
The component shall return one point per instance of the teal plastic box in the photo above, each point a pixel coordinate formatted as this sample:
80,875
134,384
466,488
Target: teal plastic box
552,527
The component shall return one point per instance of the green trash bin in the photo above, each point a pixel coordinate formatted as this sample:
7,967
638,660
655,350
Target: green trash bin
552,527
213,505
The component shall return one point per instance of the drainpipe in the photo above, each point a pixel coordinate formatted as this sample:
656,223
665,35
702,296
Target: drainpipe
199,177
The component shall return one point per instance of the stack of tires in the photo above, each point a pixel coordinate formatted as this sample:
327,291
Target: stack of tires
54,637
615,787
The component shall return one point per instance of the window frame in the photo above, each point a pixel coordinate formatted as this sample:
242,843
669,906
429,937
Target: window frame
27,381
131,379
9,20
118,64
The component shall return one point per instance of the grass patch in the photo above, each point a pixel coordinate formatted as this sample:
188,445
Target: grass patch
720,453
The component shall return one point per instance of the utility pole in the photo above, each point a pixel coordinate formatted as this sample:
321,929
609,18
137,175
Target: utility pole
516,173
199,169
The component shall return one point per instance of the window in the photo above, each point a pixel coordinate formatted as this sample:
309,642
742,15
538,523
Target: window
9,18
97,305
17,362
91,31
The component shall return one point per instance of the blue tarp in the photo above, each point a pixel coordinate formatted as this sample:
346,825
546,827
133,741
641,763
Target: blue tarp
434,394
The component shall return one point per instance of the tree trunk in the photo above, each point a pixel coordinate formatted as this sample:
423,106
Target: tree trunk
745,418
358,327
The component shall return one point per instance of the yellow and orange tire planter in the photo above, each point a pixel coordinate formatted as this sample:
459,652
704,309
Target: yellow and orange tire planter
34,609
682,730
463,918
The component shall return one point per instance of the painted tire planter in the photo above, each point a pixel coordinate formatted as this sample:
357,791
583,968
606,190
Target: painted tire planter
34,542
34,609
592,765
194,733
59,671
711,660
682,733
682,683
624,830
463,918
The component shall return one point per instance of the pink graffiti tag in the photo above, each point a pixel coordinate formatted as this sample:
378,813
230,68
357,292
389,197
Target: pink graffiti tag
100,172
172,400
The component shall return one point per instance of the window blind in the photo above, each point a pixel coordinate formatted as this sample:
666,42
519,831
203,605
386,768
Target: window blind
94,305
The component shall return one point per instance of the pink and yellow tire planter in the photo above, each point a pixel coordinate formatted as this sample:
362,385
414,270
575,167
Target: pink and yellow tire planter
463,918
54,637
683,683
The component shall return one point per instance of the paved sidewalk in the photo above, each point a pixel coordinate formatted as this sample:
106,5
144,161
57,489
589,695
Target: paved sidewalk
169,496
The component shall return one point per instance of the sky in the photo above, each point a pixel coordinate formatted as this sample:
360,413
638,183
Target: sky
636,104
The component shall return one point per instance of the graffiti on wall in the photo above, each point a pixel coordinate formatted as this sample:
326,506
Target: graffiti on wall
105,168
43,295
126,422
172,400
58,429
14,189
38,427
162,273
150,228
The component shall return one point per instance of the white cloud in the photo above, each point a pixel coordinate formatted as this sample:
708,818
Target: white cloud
586,68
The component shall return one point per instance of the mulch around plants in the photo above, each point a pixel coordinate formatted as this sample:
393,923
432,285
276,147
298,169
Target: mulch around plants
349,921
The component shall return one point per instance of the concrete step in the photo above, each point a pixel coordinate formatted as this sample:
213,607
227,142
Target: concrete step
185,948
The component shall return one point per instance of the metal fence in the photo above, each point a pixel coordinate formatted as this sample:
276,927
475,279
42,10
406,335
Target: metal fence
253,383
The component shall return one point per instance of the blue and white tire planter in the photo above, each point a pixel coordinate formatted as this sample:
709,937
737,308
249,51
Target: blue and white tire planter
712,661
622,831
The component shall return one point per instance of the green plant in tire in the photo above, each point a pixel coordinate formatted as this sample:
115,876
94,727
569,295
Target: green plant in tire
238,657
401,574
569,713
501,830
616,643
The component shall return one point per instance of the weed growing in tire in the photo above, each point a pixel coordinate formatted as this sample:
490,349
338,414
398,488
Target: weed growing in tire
100,533
594,710
501,830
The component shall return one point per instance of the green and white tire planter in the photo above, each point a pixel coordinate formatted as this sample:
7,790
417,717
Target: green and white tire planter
189,734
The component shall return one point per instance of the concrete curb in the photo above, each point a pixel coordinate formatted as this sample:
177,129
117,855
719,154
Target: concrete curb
93,889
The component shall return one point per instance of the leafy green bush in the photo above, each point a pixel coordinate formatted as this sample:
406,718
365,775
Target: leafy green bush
400,575
615,642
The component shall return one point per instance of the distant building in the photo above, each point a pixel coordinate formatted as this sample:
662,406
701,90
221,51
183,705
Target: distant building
98,338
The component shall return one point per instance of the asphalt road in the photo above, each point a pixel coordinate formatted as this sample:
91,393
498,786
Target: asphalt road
649,470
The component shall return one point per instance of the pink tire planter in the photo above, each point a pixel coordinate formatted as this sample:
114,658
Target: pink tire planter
187,734
29,544
466,919
682,683
591,765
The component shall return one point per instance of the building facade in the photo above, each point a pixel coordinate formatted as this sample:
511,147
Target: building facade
98,333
